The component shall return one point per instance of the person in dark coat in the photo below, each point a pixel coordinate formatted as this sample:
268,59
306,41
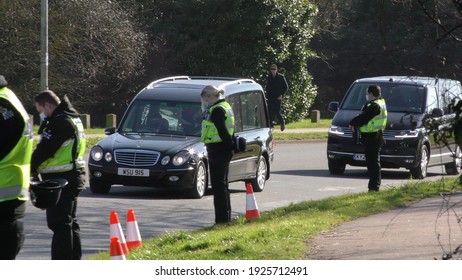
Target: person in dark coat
276,87
371,123
59,154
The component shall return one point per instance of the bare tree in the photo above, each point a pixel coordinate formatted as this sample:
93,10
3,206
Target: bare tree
96,50
448,20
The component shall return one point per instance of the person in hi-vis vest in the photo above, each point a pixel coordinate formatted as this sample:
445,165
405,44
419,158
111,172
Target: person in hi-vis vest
371,124
59,154
217,132
15,155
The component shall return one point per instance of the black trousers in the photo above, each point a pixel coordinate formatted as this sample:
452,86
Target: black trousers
219,166
372,144
62,219
274,110
11,228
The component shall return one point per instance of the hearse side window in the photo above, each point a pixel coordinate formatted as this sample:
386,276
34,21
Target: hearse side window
249,110
252,109
236,105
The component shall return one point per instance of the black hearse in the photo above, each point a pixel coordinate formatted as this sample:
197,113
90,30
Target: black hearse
157,143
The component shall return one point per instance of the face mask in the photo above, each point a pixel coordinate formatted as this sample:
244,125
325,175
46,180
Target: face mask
42,116
204,106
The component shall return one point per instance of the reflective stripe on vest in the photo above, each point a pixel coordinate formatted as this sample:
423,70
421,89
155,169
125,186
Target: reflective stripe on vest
378,122
209,131
15,166
63,159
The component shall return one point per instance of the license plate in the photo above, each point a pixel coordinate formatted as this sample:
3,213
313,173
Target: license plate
133,172
361,157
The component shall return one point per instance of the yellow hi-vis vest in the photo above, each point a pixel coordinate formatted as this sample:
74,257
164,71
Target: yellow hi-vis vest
69,154
378,122
209,130
15,166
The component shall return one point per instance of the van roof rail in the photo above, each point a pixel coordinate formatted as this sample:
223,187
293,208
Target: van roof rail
173,78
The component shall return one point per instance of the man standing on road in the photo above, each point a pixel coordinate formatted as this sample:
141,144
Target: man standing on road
371,123
59,154
276,87
15,153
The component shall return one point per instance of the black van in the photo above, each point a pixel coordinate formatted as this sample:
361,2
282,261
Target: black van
157,143
410,101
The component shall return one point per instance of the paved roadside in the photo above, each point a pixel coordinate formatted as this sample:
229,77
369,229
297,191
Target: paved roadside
426,230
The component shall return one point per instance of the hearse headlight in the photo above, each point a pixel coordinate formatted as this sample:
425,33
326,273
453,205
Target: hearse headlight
108,157
408,134
181,158
336,130
165,160
96,153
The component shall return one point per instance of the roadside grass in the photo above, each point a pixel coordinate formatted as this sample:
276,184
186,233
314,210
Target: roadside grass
306,123
282,233
299,135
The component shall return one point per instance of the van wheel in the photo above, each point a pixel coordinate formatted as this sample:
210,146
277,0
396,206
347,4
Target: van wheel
258,184
455,166
200,182
99,187
420,171
336,167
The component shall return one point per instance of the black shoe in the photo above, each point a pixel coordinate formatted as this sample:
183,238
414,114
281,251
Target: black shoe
283,126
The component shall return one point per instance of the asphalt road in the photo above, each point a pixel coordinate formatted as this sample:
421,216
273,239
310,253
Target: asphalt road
299,173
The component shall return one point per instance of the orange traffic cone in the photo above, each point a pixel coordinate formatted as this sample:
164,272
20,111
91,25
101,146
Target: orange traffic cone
251,204
116,231
116,249
133,232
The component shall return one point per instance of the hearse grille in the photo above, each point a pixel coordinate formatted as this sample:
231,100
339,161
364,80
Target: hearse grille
132,157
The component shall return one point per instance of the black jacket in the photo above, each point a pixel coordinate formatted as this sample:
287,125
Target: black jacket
276,86
369,111
54,131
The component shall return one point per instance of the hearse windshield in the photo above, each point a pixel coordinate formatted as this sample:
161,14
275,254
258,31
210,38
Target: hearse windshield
163,117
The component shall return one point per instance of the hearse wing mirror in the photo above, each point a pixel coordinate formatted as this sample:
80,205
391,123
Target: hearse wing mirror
333,106
109,130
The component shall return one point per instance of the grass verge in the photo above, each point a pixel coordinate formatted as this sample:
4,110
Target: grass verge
299,136
282,233
306,123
